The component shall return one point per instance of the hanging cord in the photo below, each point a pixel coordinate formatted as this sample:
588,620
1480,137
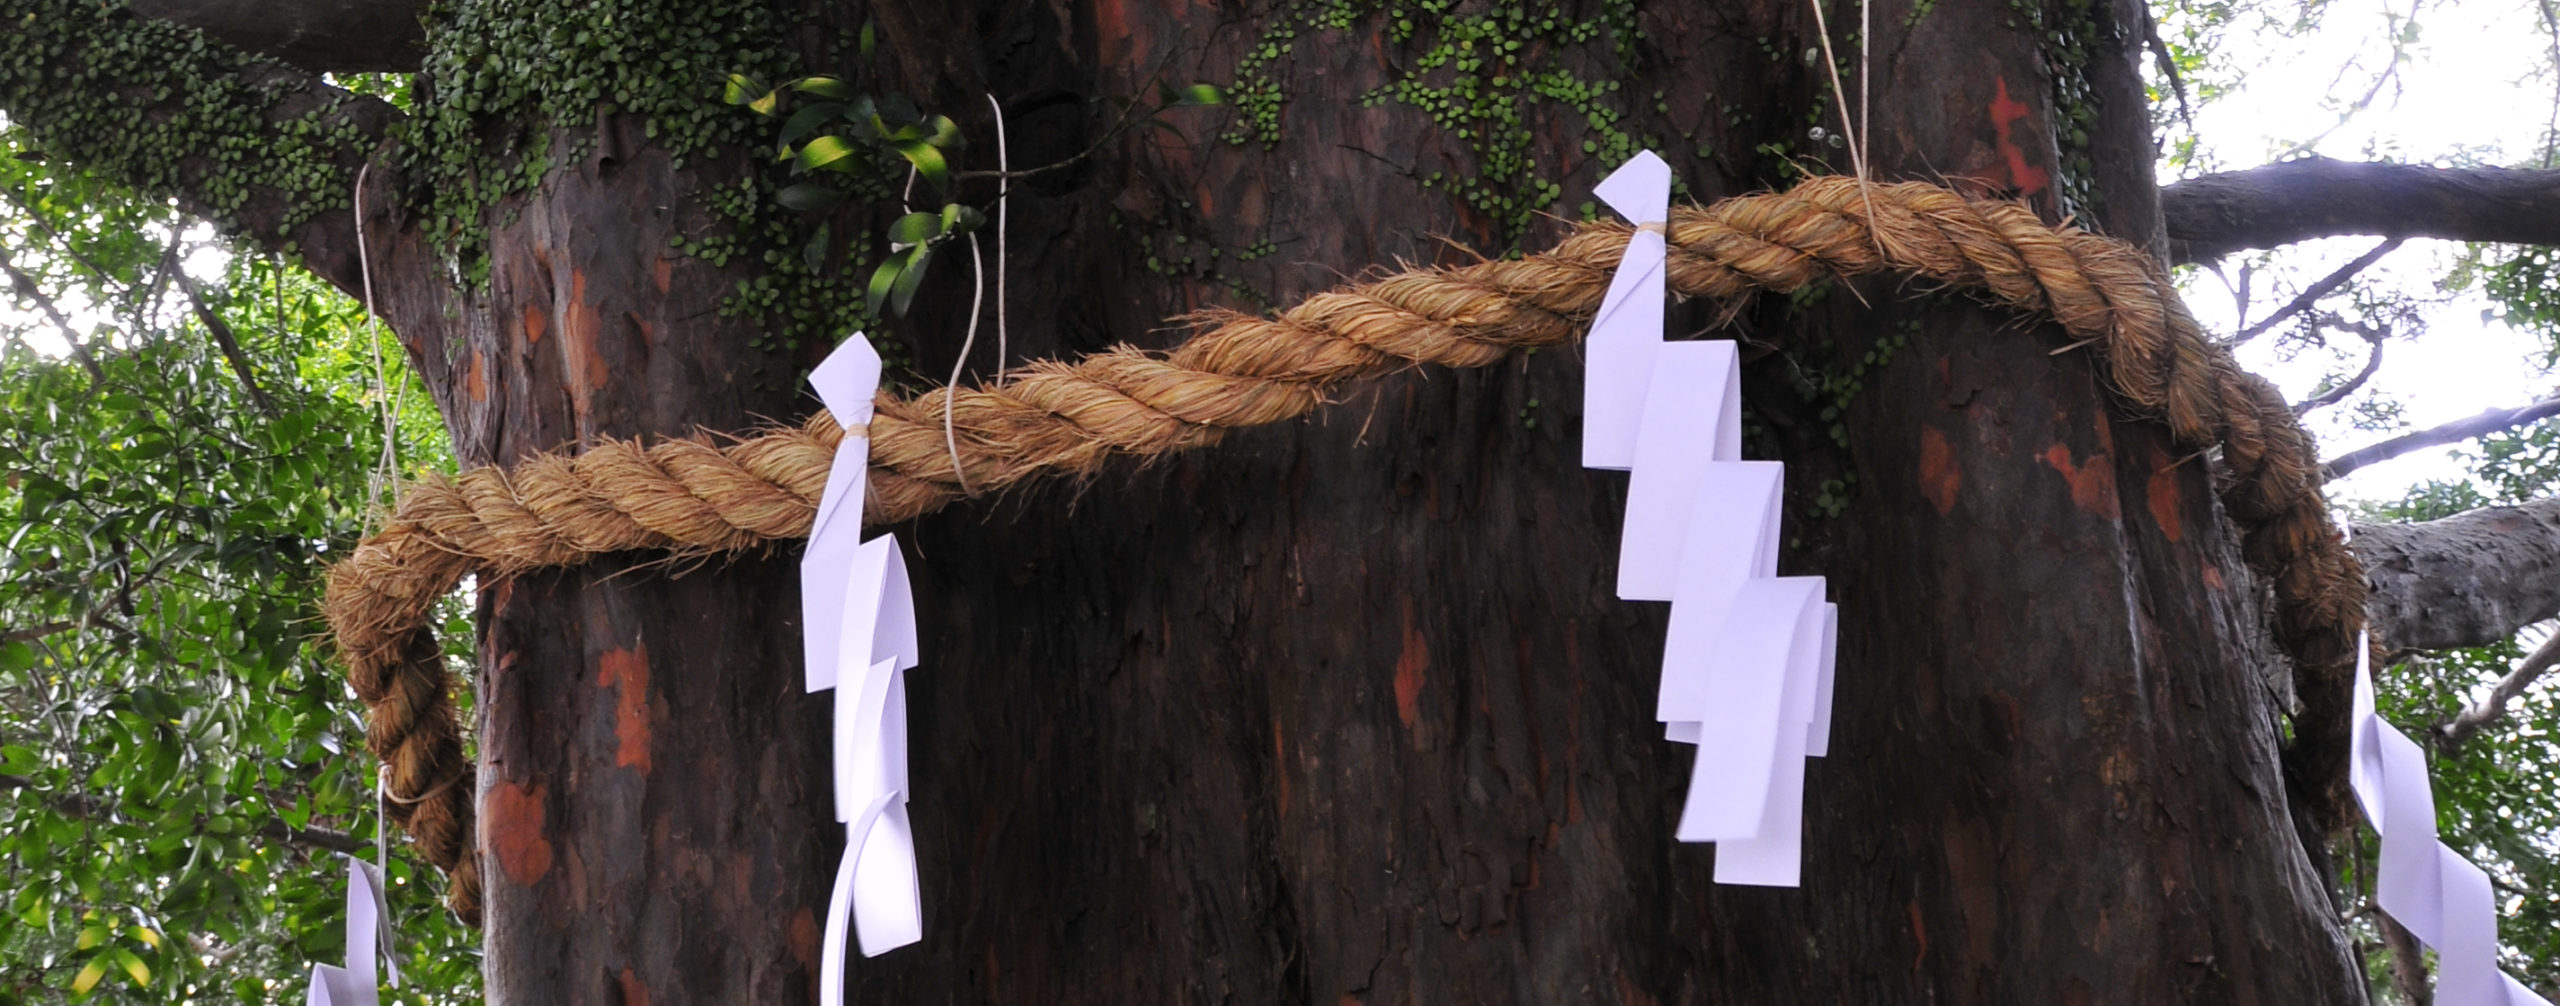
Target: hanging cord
1856,130
1004,211
977,297
388,469
950,432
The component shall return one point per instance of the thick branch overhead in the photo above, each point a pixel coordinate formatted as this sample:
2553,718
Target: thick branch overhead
2471,579
265,150
2315,197
337,36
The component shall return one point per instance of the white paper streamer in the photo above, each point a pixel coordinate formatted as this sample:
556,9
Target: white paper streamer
2427,887
1747,663
859,639
368,936
845,382
1618,354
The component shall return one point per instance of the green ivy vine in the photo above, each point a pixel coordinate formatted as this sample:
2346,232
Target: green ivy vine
163,109
1483,73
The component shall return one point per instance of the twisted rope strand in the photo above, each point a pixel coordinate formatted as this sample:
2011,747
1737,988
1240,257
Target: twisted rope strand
692,498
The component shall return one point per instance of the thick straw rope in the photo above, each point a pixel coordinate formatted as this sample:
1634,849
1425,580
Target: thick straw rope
693,497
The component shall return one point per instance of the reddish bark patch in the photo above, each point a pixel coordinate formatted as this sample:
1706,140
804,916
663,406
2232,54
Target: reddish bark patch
633,992
1280,766
1939,476
1919,934
511,829
1631,995
1111,25
2026,178
804,939
1411,662
581,331
535,323
664,274
2093,482
2161,492
626,672
476,382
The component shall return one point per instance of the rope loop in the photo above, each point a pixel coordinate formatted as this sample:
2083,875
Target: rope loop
690,498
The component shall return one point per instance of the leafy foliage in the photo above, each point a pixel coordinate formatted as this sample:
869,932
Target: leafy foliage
179,764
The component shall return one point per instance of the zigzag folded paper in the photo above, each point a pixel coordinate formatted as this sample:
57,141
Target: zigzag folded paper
2427,887
1748,660
859,639
368,936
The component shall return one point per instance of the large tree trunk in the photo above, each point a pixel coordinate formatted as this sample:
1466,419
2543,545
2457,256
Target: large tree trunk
1345,711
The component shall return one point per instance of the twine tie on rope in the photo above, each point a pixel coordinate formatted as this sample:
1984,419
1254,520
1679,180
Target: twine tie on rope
692,497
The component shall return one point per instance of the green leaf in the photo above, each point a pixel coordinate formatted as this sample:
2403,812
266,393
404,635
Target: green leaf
870,39
1193,96
825,151
909,279
133,966
825,87
883,280
742,89
88,977
941,132
809,197
808,119
928,162
914,229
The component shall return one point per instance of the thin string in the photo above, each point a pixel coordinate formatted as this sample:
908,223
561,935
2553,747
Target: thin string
389,466
1004,211
1840,95
381,817
951,391
1857,130
431,793
1866,70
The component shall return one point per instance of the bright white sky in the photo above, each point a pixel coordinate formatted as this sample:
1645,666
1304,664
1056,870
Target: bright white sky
2476,90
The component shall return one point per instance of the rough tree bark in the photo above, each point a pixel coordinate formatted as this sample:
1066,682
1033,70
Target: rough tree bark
2472,579
1344,711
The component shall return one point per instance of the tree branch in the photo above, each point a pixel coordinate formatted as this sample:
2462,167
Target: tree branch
223,338
85,806
2408,962
2488,422
2374,337
2494,704
2471,579
27,287
2327,285
338,36
2312,197
266,151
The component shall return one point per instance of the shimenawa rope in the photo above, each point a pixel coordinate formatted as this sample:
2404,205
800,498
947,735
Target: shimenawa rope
694,497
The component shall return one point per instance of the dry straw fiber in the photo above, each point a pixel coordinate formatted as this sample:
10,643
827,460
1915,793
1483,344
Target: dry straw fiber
693,497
